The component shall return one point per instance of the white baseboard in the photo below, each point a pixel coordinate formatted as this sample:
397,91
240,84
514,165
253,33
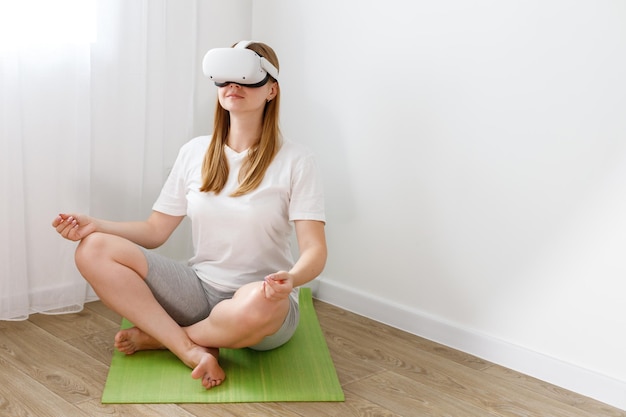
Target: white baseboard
582,381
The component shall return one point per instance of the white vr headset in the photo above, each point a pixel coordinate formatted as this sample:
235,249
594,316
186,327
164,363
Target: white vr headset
238,65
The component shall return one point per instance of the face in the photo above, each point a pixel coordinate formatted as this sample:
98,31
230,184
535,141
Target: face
237,98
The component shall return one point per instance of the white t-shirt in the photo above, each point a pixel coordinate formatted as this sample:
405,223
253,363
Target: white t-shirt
242,239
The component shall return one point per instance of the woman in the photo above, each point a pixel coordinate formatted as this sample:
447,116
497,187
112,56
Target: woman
243,189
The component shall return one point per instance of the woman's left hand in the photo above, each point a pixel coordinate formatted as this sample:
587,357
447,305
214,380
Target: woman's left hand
278,286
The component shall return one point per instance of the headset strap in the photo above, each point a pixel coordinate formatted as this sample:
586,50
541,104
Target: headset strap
243,44
267,65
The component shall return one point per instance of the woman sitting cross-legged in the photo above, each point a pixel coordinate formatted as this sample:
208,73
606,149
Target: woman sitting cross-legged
245,190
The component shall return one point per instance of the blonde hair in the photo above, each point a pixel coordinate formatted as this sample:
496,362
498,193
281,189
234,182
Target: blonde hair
215,166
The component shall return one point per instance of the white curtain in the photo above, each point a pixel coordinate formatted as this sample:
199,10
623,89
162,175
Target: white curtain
44,148
93,127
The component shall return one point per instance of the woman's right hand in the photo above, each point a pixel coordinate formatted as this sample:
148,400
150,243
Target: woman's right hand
74,226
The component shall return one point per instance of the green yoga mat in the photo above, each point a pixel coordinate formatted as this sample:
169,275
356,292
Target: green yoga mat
300,370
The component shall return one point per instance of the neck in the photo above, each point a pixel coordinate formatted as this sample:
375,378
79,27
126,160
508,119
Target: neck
244,132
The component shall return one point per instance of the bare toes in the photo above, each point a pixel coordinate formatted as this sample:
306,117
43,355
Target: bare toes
209,371
209,383
131,340
124,343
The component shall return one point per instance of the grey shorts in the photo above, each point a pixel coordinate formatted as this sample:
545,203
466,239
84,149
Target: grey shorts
188,299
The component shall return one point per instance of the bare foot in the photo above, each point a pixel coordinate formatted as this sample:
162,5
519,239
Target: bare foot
208,368
203,361
131,340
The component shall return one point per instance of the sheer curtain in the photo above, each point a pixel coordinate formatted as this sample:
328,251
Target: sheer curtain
44,153
94,127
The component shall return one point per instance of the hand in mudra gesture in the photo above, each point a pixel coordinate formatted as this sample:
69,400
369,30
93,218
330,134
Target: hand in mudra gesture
278,286
73,226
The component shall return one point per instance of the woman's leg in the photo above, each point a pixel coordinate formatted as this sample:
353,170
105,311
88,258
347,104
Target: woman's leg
116,268
241,321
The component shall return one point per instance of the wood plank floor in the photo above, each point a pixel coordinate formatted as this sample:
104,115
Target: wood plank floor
57,365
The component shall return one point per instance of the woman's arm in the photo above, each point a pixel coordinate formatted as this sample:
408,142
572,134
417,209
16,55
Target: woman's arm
150,233
312,245
313,252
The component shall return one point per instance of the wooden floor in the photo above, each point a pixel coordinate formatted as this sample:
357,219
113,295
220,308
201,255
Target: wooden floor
57,365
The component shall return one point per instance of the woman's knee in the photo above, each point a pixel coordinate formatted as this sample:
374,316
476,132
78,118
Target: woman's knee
97,249
259,312
90,248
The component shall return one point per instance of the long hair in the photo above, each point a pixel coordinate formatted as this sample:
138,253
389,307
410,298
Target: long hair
215,166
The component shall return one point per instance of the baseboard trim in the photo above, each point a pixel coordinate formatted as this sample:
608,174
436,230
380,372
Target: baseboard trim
571,377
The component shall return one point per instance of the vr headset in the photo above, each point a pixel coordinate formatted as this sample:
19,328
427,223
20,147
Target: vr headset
238,65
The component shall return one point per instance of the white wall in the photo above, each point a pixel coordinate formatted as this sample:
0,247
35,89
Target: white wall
474,155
